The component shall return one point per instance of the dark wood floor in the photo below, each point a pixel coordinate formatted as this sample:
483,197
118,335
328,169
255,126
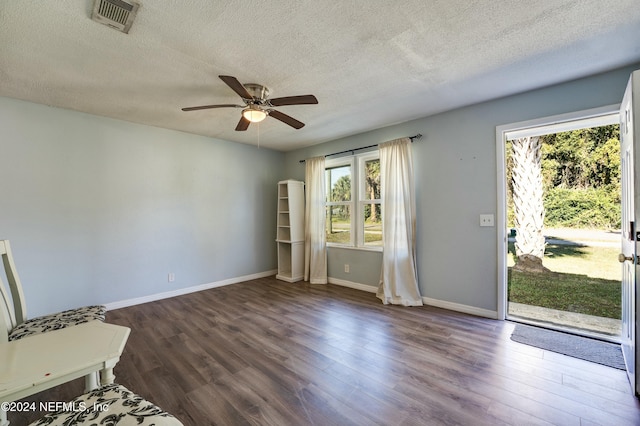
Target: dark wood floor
266,352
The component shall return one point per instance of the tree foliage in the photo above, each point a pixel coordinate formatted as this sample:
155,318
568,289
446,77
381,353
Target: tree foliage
372,189
341,190
582,159
581,178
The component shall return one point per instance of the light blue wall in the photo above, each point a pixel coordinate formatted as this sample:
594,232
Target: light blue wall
101,210
456,181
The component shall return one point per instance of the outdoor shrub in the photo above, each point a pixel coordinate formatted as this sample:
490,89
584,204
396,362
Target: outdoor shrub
582,208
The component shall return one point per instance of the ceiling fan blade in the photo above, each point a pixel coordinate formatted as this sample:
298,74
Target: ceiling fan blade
294,100
286,119
236,86
212,106
243,124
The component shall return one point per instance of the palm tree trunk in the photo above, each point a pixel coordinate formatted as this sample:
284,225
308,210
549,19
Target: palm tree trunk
373,217
528,204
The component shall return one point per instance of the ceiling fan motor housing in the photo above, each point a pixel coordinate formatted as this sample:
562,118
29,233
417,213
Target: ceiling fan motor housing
258,91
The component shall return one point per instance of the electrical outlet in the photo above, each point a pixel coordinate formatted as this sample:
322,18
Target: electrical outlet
171,277
486,220
346,268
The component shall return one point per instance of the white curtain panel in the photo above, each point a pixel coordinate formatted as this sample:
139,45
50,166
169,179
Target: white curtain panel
399,275
315,251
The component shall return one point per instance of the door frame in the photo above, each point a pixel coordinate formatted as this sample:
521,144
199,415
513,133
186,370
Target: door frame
547,125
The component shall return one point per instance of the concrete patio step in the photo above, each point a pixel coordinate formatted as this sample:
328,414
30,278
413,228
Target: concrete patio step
608,328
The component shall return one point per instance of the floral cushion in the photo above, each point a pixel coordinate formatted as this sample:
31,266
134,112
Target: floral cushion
109,405
57,321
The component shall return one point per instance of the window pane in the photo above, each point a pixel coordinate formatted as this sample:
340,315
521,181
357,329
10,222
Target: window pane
371,180
372,225
338,184
339,224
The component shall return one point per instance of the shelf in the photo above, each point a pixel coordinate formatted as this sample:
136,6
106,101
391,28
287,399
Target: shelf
284,234
283,190
290,261
290,231
283,219
283,205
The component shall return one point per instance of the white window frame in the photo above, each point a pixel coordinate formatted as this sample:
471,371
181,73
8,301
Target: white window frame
358,202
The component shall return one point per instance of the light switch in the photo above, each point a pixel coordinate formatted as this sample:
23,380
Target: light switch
486,220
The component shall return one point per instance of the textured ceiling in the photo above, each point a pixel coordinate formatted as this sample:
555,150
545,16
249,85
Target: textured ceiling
370,63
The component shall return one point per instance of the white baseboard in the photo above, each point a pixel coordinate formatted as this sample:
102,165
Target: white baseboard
472,310
458,307
187,290
351,284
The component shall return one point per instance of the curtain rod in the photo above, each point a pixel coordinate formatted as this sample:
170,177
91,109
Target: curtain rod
418,136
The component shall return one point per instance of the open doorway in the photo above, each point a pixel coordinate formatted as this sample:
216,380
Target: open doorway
562,215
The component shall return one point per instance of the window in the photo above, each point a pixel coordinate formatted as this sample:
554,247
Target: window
370,206
353,206
339,203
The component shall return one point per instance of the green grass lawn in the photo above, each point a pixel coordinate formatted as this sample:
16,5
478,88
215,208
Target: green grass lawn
341,233
583,279
595,262
567,292
344,237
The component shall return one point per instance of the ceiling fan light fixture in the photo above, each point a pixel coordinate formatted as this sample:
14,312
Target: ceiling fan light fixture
254,114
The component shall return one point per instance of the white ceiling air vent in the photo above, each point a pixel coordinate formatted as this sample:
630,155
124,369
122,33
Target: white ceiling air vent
118,14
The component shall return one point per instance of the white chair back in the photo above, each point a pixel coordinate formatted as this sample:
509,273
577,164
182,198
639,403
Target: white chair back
13,310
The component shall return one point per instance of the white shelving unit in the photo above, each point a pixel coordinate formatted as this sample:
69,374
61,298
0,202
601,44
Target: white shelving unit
290,232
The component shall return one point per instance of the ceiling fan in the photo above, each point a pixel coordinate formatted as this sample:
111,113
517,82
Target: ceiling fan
257,105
